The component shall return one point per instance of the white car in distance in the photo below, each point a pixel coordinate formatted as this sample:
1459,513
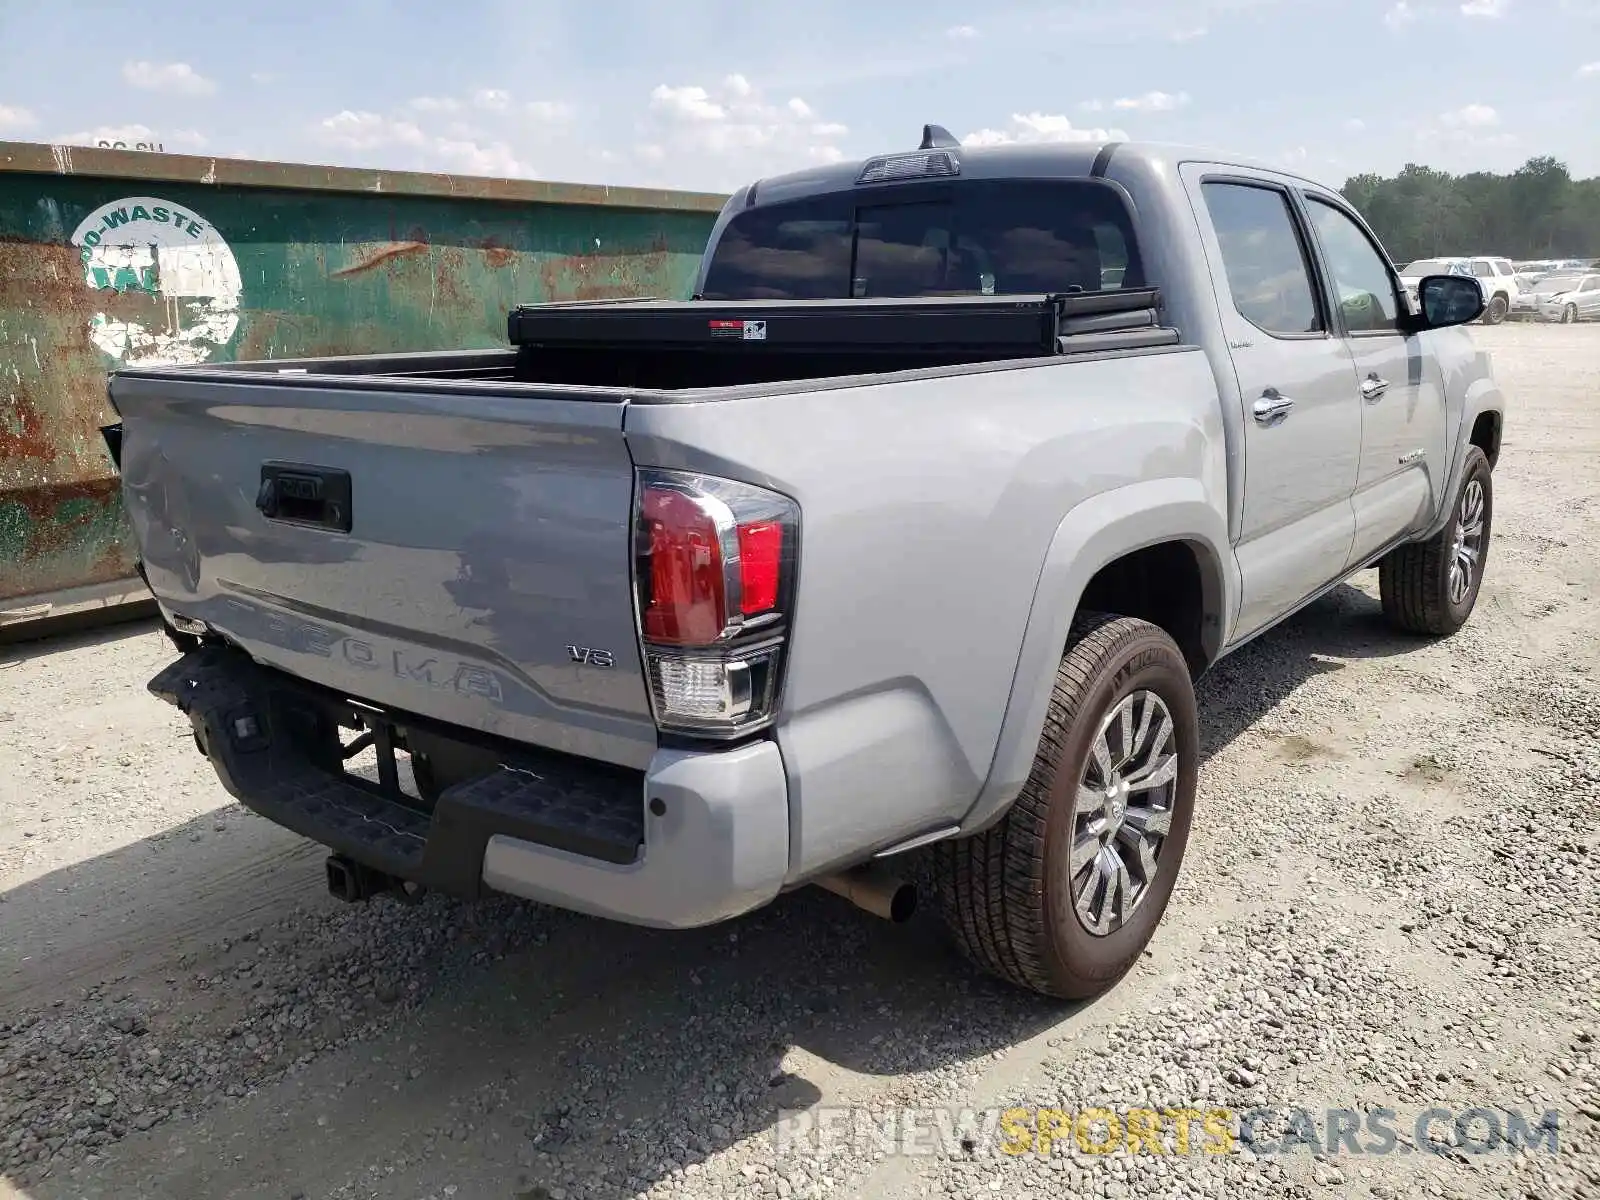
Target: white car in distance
1496,276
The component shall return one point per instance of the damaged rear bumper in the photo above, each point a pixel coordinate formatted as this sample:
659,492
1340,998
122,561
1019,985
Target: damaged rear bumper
694,839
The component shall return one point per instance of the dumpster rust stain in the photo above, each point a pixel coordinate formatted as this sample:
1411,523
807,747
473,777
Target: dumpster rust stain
604,275
61,520
56,389
377,256
74,533
496,253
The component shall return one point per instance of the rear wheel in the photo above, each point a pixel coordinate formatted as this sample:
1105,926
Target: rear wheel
1496,312
1063,895
1431,587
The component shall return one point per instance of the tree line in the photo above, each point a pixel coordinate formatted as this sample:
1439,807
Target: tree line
1537,211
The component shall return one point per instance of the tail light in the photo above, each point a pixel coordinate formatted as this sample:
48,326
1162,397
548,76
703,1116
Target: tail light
714,565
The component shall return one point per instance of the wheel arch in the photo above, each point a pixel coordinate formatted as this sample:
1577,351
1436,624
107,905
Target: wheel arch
1119,544
1482,425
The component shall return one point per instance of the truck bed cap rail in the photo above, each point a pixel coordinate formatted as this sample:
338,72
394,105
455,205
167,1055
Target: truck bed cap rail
1039,324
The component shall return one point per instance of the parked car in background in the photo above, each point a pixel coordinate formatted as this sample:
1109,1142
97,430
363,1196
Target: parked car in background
1530,273
1414,272
1568,298
1498,279
1496,276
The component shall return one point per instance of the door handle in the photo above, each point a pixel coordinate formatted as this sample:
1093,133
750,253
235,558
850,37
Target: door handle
1272,408
1373,387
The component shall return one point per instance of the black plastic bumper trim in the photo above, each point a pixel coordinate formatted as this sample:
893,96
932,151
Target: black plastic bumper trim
275,744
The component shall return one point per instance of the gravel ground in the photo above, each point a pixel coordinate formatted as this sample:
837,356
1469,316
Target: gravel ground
1391,901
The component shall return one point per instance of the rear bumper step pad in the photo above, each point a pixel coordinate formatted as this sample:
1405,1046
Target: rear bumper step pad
275,744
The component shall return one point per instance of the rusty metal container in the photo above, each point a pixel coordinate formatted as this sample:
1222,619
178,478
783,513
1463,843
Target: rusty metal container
115,257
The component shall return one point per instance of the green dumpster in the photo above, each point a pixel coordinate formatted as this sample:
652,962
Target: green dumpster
116,257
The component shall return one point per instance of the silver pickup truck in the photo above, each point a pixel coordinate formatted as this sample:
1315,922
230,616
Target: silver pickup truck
913,528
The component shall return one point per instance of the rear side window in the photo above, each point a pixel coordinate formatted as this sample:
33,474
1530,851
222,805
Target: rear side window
1269,276
977,238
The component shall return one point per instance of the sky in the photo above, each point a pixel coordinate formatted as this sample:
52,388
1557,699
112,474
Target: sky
706,95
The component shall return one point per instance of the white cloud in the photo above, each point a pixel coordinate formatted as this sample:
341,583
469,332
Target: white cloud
692,103
1474,132
486,131
1399,16
132,135
1484,8
961,33
724,135
1188,35
1152,102
1354,125
1472,116
367,130
497,158
263,77
1589,69
177,78
15,117
1037,128
415,148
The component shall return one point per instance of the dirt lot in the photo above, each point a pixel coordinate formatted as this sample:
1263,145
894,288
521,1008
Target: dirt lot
1391,898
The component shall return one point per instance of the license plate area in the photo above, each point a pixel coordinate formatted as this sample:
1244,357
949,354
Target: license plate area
406,762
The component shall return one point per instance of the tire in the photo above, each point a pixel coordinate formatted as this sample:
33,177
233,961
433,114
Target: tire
1006,893
1496,312
1415,581
1569,315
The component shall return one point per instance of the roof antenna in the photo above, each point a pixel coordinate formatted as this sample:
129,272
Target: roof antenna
937,137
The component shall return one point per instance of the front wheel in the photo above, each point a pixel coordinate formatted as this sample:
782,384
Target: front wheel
1569,315
1430,587
1064,893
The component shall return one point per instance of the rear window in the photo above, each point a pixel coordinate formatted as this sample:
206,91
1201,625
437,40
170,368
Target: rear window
979,238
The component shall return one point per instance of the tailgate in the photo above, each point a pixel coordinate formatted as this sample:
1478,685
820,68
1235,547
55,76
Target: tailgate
460,552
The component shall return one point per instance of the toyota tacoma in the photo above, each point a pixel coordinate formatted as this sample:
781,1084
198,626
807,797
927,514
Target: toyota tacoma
913,528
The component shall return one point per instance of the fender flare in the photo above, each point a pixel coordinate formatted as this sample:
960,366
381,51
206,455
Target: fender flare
1094,533
1483,396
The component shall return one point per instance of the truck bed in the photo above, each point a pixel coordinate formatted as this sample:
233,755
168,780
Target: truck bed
649,347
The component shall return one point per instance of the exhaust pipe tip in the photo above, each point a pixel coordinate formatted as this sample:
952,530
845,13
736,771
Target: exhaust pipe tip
874,890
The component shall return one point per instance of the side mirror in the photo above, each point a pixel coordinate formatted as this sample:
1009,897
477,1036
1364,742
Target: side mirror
1445,300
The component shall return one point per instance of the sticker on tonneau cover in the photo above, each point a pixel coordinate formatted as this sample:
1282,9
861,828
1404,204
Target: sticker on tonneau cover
750,331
